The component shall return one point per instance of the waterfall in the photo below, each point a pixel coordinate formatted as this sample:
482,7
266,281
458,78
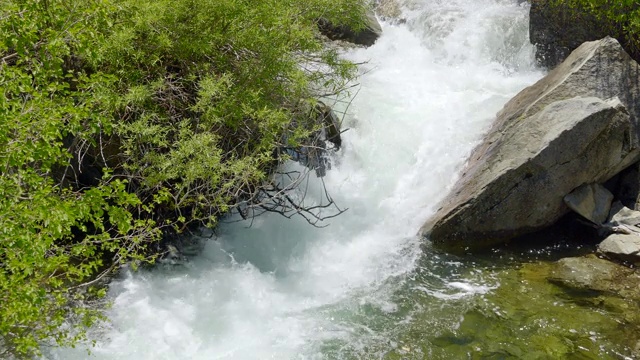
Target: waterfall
275,288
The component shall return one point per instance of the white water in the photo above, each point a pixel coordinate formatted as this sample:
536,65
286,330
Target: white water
284,290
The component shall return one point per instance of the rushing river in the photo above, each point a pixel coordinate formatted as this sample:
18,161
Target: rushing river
365,286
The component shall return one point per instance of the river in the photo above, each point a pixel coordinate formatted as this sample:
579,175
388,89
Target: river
365,286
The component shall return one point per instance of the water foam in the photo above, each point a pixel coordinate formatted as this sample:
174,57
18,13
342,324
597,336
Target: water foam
281,289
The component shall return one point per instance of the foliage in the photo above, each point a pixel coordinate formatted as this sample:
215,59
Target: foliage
120,119
621,17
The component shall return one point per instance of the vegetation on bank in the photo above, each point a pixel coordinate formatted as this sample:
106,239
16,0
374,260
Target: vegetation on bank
120,119
621,18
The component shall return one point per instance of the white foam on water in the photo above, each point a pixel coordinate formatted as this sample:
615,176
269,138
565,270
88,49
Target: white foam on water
282,289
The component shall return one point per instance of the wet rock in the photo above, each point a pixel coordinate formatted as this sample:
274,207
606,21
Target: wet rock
366,36
172,256
541,147
314,153
179,248
592,201
330,124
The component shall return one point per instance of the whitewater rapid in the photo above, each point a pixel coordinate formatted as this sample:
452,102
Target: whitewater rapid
281,289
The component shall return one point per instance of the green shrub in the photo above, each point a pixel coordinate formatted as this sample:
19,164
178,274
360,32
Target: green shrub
621,17
120,119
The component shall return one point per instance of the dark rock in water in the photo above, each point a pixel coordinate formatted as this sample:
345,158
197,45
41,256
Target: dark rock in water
558,30
366,36
177,249
593,274
330,124
314,154
548,140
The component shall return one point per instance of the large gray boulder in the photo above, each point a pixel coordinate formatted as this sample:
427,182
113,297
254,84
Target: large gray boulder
519,187
598,68
548,140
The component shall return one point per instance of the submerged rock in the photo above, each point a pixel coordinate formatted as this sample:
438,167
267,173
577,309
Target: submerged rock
527,317
594,274
548,140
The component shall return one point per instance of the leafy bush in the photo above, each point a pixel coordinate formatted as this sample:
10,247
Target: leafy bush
121,119
621,17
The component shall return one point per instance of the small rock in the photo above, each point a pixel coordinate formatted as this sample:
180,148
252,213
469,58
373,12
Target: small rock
621,246
621,215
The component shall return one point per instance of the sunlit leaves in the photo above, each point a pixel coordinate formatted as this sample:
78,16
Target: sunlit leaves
621,17
171,108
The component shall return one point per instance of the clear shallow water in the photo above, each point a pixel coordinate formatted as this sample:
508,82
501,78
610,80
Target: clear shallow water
365,287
